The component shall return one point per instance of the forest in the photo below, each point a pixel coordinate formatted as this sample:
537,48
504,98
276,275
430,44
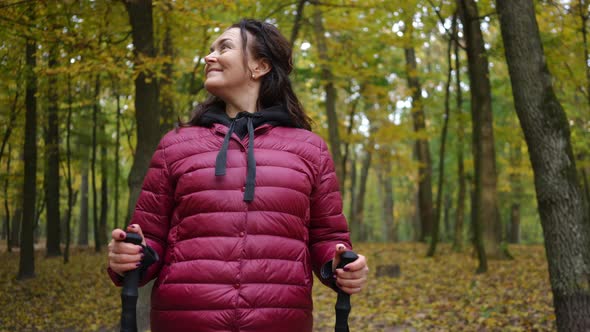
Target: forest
459,129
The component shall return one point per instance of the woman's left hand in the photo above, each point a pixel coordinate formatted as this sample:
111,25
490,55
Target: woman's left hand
353,277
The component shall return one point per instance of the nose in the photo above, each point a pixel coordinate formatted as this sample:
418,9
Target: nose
211,57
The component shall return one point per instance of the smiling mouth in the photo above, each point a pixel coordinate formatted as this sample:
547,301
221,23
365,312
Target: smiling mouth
212,70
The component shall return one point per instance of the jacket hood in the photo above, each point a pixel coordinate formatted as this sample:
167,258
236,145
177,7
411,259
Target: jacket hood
277,115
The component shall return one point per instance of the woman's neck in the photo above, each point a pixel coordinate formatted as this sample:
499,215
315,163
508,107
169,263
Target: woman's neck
232,110
245,102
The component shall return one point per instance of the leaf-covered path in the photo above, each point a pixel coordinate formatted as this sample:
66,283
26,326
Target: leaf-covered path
439,294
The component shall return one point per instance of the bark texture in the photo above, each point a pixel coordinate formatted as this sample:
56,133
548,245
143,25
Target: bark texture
389,227
358,227
425,204
166,88
562,206
52,176
95,111
441,154
27,255
486,195
146,96
328,81
147,117
460,212
83,217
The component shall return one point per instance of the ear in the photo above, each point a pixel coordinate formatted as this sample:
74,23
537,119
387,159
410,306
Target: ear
260,68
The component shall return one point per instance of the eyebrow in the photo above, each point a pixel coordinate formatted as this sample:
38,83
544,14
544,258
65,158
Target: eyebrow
219,43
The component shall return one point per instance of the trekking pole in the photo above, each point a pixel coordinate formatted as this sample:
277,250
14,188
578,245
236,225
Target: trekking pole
129,293
343,302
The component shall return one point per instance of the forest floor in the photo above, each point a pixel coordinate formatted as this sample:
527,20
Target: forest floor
430,294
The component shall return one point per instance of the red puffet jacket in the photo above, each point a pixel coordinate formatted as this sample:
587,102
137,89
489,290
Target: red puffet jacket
227,264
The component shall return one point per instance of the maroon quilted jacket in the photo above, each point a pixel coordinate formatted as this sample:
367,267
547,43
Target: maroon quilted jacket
237,249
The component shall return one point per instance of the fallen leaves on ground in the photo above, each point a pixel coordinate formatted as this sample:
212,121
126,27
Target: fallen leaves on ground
444,293
431,294
77,296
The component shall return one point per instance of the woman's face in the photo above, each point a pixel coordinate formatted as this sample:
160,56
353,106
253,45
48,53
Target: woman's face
224,69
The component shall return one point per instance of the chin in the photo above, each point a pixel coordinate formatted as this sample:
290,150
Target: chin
212,87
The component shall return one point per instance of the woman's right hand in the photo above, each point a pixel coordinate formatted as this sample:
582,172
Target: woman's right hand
125,256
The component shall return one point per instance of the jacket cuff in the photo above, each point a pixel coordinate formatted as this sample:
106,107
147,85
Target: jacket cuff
327,276
117,279
150,256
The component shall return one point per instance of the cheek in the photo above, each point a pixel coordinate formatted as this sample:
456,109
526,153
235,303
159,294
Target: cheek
235,63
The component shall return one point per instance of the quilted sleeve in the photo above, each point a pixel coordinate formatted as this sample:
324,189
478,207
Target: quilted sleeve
153,211
328,225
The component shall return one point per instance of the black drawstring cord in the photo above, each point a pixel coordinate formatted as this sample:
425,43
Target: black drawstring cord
222,155
221,161
251,175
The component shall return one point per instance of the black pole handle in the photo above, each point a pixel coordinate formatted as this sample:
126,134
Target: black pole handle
129,293
343,302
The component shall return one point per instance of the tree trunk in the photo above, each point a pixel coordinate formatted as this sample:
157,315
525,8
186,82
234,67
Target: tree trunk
196,85
104,190
422,149
586,185
17,221
52,163
360,197
353,185
83,219
328,79
486,196
447,217
562,207
389,228
584,16
117,161
95,111
476,232
27,251
513,234
441,154
6,207
40,206
583,12
460,213
297,22
147,115
147,118
13,116
347,144
166,88
68,229
416,219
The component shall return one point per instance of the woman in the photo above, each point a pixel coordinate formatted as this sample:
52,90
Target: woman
242,203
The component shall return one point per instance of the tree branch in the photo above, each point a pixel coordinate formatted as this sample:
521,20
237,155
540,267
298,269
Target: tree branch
450,35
